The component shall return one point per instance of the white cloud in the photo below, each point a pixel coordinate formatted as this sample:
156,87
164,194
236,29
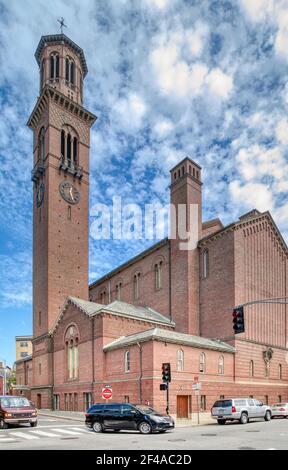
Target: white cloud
163,127
220,83
258,10
131,110
282,131
255,162
251,195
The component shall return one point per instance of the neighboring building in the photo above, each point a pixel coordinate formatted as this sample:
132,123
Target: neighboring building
23,347
164,305
1,384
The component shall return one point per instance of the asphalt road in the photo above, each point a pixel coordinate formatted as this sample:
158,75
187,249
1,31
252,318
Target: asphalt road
55,433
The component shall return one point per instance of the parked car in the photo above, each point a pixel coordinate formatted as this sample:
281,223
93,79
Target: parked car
16,410
280,409
124,416
240,409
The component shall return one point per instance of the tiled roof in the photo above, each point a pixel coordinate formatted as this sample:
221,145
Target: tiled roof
158,334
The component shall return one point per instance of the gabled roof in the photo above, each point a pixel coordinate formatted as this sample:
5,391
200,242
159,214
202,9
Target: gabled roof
117,308
168,336
250,217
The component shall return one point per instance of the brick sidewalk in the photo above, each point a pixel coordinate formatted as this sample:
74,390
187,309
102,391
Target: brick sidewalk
205,418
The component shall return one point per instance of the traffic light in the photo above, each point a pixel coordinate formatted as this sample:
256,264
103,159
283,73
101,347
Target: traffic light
166,372
238,320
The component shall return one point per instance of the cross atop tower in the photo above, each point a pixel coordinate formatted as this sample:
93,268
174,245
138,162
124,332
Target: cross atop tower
61,21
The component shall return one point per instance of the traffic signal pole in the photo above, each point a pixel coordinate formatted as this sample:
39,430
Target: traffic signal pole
276,300
167,399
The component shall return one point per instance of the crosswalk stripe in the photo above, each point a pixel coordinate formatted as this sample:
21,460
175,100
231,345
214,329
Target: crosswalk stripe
24,435
80,429
7,439
46,434
65,431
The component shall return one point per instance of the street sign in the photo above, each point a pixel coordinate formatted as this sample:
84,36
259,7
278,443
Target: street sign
106,393
196,386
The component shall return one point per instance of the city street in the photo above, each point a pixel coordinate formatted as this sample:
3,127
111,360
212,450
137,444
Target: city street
56,433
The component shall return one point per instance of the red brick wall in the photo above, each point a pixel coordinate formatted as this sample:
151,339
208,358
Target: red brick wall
186,190
60,256
156,299
217,289
260,273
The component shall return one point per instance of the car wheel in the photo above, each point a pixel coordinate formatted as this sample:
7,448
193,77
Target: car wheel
97,427
221,421
267,416
33,425
244,418
145,428
3,425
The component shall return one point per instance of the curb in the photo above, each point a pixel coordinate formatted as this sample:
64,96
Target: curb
70,418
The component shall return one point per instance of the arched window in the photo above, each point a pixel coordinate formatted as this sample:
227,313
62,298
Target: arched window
69,70
127,361
202,363
69,146
103,297
118,290
221,365
280,372
180,360
251,369
158,275
54,65
69,149
72,353
63,144
136,286
75,151
205,264
41,144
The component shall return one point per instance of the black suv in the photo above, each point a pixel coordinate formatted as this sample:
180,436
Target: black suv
119,416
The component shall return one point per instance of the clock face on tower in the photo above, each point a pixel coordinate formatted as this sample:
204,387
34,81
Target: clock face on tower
40,195
69,193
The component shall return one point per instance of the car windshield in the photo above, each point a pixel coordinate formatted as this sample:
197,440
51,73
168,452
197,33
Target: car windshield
223,403
147,410
14,402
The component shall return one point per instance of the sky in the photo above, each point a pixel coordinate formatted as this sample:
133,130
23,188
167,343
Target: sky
167,78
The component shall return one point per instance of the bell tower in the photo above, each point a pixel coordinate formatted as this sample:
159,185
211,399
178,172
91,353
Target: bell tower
60,175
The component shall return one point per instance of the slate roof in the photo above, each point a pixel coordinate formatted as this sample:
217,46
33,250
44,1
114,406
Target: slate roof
117,308
158,334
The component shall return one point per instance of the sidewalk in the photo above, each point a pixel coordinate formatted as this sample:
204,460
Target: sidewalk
204,418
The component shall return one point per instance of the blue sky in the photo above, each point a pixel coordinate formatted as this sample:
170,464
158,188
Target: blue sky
166,78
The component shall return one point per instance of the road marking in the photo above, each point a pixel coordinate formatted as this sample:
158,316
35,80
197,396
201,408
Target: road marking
81,430
7,439
45,434
65,431
23,435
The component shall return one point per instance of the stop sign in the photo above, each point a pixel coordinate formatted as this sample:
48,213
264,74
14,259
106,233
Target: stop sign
107,393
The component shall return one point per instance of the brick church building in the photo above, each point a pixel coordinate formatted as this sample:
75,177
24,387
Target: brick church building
163,305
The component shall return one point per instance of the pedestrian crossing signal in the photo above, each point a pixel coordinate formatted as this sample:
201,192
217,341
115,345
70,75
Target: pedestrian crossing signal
238,320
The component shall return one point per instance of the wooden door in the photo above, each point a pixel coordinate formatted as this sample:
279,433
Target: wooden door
182,406
39,401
